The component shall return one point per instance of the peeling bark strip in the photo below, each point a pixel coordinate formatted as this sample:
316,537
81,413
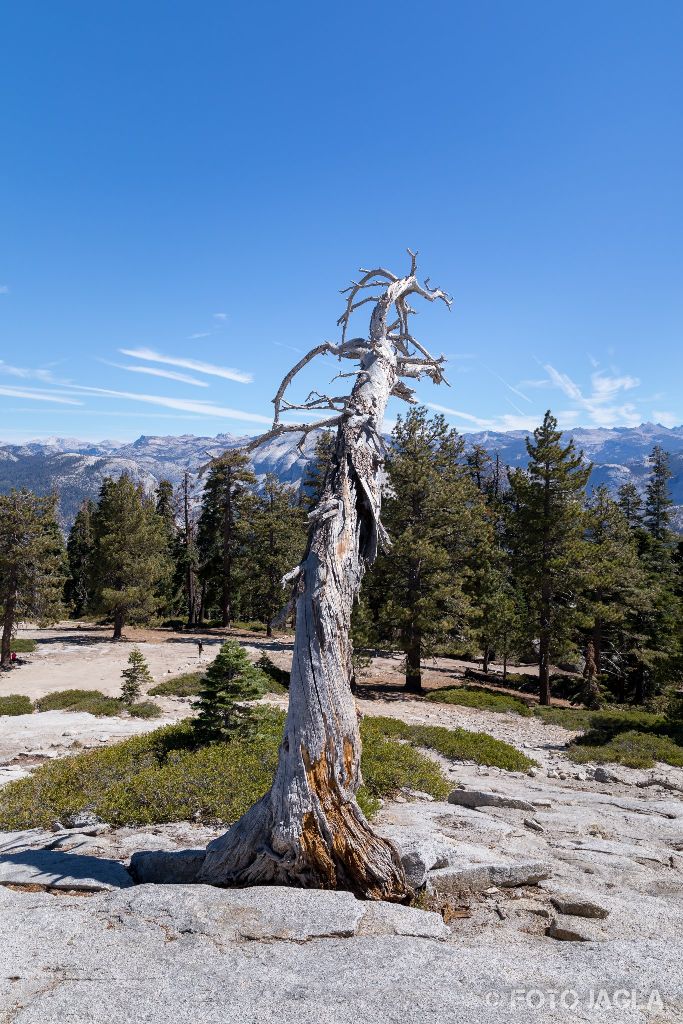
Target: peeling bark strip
308,829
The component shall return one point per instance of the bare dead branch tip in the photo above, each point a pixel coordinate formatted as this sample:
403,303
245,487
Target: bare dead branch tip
414,360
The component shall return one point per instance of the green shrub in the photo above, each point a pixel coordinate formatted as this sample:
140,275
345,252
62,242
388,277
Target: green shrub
568,718
457,744
477,697
15,704
164,776
187,684
388,766
633,749
66,700
102,706
144,709
167,775
94,702
21,645
279,677
606,723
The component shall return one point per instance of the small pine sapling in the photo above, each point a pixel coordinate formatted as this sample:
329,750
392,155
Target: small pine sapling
230,680
133,677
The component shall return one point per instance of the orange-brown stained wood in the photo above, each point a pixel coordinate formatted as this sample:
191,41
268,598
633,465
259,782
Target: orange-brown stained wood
354,846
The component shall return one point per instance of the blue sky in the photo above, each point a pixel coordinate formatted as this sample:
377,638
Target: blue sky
185,187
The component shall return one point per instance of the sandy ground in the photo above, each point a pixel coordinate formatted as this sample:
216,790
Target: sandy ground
71,655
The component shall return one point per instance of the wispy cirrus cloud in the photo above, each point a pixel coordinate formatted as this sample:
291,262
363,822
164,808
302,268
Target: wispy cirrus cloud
210,369
4,289
25,372
602,404
154,371
505,422
38,395
198,406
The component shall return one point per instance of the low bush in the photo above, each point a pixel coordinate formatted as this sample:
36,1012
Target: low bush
15,704
67,700
604,724
477,697
456,744
144,709
187,684
93,702
21,645
279,677
633,749
164,776
100,706
389,766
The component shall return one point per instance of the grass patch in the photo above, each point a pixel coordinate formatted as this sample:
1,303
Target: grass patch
633,738
280,677
164,776
478,697
187,684
144,709
15,704
389,766
606,722
456,744
23,646
93,701
633,749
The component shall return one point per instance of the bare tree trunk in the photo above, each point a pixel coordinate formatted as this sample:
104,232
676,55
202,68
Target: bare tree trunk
308,829
544,670
414,661
190,575
118,624
7,627
544,647
597,647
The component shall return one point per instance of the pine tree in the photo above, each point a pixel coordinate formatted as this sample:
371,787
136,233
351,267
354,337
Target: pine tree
614,593
135,676
165,507
80,546
33,565
276,541
495,616
186,556
432,514
221,529
546,531
655,659
230,679
130,559
631,504
479,465
313,482
658,499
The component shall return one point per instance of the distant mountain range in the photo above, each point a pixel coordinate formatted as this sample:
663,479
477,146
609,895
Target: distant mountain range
76,469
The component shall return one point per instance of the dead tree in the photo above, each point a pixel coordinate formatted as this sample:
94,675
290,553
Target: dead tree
308,830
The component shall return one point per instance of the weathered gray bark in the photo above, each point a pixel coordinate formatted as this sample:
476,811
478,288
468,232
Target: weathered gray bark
308,829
